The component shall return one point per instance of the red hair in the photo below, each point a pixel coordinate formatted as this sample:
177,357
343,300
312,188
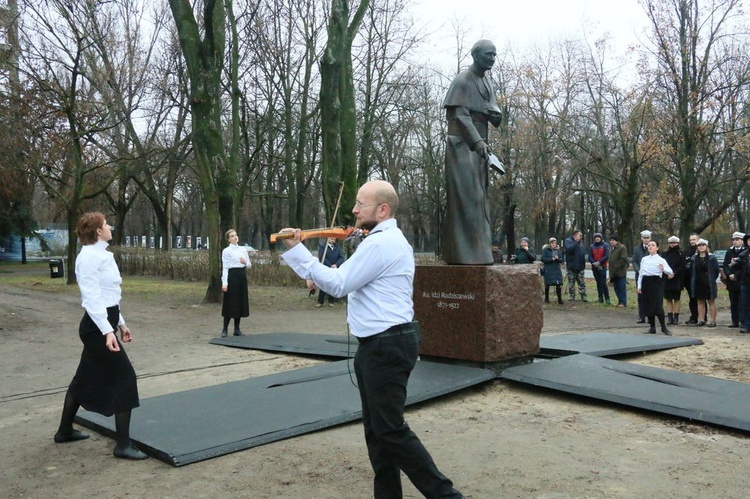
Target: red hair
88,224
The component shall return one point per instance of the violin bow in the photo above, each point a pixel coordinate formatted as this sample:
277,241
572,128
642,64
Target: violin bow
333,219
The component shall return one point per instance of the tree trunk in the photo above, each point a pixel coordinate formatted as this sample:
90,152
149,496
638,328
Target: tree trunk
338,111
204,59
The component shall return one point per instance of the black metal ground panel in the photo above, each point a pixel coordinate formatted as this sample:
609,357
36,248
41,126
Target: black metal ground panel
699,398
324,345
194,425
603,344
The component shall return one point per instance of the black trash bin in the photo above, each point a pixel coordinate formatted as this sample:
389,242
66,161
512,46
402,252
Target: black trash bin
56,269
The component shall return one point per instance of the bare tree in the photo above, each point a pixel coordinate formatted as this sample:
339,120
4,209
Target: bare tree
383,75
608,140
166,137
120,67
291,31
204,50
699,74
71,117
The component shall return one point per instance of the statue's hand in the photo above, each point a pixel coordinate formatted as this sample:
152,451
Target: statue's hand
482,149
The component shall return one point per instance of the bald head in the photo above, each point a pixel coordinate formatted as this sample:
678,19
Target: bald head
382,192
377,201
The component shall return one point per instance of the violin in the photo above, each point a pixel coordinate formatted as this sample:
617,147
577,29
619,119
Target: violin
326,232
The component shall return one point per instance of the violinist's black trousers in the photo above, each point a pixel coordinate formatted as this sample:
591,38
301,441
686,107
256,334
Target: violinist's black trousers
382,365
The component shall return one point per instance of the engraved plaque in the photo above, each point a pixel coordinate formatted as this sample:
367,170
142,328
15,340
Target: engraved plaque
479,313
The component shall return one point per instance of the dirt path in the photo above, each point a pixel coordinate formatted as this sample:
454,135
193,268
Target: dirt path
497,440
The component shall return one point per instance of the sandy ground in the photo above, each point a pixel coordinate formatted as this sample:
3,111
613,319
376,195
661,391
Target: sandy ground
500,439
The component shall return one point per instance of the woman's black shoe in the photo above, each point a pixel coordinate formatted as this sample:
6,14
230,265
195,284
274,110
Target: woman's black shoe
129,451
237,332
73,436
651,331
666,331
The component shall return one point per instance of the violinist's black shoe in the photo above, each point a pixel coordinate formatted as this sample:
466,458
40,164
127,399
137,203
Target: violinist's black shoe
237,332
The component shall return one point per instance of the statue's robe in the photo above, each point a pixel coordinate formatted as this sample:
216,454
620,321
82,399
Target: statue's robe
470,104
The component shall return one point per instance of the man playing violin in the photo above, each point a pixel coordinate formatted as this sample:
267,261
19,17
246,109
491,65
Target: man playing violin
378,280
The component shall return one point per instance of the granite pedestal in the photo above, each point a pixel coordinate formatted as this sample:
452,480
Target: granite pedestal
484,314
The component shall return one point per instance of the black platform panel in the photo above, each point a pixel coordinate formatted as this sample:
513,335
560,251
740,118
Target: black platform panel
700,398
606,344
193,425
324,345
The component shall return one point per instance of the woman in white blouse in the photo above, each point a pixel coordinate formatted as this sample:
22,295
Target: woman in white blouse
651,286
234,261
105,380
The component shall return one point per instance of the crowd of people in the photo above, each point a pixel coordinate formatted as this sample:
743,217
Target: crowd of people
662,275
105,381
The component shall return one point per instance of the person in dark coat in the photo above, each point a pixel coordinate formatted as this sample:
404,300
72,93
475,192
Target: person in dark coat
741,267
673,287
575,262
552,258
497,253
618,269
732,280
599,259
703,276
524,253
330,255
687,271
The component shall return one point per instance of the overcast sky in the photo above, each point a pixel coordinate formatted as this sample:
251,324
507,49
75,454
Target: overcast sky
522,23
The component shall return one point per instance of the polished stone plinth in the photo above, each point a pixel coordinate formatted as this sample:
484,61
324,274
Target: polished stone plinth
479,313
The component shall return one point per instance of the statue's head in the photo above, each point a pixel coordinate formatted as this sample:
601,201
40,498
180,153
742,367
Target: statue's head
484,52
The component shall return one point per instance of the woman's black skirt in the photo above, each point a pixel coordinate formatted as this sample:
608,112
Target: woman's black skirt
105,381
702,288
235,299
652,290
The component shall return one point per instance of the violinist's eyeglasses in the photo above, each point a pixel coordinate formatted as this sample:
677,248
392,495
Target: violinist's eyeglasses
361,205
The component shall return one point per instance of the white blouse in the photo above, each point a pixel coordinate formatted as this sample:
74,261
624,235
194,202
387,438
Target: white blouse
650,267
230,259
99,281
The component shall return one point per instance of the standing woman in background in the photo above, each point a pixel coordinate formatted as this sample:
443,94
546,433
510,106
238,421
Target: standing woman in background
105,380
651,286
552,257
673,287
705,271
234,261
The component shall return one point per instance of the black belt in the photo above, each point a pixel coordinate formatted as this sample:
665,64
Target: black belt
397,330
